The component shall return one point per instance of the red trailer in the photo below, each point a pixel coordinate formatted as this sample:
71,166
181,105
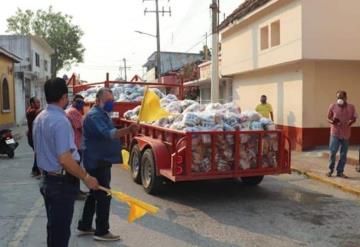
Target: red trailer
158,153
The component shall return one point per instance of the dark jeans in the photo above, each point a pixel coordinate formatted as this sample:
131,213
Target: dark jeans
59,196
35,168
335,145
99,202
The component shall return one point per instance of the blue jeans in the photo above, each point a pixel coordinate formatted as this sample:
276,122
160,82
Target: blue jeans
97,202
335,144
59,196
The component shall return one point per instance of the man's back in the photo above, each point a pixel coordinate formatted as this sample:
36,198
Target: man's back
53,136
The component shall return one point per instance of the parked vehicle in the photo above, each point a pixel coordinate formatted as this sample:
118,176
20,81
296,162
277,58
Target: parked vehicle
158,153
7,143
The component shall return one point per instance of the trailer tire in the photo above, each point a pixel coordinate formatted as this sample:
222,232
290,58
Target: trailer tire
150,181
252,181
135,161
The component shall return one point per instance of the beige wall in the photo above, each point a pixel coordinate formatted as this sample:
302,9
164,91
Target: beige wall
283,86
322,79
241,44
331,29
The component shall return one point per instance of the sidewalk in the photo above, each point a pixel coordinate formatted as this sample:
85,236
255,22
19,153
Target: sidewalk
315,165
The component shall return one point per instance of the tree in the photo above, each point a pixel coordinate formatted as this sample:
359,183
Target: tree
54,27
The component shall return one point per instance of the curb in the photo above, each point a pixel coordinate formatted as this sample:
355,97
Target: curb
328,181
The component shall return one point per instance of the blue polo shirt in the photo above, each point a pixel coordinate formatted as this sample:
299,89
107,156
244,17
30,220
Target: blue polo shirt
98,139
53,136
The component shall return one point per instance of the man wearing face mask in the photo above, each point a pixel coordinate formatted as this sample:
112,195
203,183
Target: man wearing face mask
58,158
102,148
75,116
341,116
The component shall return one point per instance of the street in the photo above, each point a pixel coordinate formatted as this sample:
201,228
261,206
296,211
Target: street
288,210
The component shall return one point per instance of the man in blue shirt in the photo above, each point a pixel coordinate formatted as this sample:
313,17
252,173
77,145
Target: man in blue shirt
57,158
102,148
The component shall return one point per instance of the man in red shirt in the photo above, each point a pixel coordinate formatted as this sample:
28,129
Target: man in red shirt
341,116
75,115
31,113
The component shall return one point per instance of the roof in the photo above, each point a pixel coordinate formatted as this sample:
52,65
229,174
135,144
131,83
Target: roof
172,61
10,55
42,42
244,9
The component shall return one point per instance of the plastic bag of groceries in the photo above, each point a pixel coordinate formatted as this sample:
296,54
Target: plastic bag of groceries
186,103
195,107
214,107
158,92
174,107
252,115
256,126
191,119
231,119
232,107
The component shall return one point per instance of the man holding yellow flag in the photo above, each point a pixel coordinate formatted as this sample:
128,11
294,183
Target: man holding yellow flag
102,148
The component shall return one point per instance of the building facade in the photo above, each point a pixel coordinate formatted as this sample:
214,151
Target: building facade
299,53
32,72
7,88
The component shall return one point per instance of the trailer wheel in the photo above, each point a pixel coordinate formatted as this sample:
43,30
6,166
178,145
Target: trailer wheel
252,181
135,158
150,181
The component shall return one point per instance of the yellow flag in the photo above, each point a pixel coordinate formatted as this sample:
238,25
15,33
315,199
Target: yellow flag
138,208
125,157
150,108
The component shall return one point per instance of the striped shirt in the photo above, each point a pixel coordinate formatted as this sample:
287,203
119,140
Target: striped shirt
76,119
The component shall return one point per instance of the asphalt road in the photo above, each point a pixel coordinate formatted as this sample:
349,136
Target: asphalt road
287,210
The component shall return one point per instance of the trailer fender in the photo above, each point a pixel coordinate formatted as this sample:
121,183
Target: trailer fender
161,153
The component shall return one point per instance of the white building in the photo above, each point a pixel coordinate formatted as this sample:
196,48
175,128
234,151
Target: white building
32,72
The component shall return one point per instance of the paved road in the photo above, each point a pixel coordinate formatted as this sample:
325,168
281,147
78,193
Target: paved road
288,210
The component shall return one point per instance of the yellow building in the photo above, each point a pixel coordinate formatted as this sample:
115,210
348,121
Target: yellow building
298,53
7,94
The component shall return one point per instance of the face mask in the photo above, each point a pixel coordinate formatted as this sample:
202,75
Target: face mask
340,101
79,105
108,106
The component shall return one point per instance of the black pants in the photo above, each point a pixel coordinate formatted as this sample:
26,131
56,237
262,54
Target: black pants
35,169
59,195
99,202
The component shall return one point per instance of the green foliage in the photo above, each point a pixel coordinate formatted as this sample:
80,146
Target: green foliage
57,29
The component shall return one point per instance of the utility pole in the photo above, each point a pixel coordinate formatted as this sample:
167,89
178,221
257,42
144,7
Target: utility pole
125,68
156,11
215,53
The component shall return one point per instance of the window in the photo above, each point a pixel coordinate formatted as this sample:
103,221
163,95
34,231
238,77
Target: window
37,59
45,65
275,33
264,38
5,96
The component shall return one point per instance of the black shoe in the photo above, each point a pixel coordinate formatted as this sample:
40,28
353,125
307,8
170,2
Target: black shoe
341,175
330,173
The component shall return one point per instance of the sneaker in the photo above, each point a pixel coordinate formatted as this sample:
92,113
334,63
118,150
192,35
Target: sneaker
85,232
341,175
107,237
329,174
